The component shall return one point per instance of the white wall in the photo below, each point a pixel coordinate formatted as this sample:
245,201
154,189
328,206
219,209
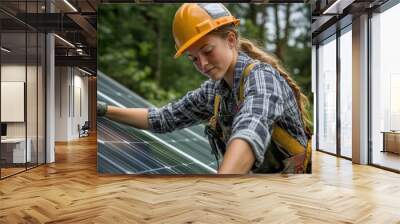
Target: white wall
71,102
33,126
12,73
80,100
61,103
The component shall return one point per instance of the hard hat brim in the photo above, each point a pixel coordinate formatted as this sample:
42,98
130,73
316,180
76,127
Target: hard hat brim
198,36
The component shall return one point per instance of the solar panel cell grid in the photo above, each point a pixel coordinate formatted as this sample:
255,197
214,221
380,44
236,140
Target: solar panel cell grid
123,149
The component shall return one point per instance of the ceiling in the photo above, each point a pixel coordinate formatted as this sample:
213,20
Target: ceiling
330,15
74,22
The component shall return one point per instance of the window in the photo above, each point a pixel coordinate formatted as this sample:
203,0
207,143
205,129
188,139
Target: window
327,96
22,76
385,86
346,75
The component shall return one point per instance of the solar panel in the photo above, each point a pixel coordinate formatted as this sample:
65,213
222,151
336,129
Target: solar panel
122,149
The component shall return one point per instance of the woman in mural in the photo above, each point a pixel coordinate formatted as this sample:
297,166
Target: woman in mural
255,111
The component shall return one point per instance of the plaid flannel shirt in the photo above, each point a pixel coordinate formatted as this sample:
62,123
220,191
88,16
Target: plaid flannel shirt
268,99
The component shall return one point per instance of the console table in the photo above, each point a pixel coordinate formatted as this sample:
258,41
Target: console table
13,150
391,141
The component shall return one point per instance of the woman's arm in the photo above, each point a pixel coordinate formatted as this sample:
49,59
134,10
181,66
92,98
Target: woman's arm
252,125
136,117
194,107
238,159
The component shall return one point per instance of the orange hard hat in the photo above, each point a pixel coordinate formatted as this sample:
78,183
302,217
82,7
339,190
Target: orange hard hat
194,20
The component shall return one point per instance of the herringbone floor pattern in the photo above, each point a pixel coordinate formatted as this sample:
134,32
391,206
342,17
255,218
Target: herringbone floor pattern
70,191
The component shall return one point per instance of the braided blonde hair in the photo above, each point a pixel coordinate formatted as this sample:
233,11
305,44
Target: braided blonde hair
257,53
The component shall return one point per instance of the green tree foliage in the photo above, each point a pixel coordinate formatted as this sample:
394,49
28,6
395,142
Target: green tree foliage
136,45
136,48
284,31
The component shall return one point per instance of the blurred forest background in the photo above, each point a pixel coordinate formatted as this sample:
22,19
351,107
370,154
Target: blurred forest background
136,45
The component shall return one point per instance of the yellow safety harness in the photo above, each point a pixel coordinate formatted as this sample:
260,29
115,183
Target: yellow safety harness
280,136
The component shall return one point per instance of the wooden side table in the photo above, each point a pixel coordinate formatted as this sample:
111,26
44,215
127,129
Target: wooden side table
391,141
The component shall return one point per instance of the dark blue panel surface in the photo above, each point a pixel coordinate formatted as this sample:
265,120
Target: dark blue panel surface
123,149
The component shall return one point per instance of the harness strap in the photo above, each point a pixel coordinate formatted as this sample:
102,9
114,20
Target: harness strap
282,138
307,160
217,101
279,135
246,73
217,146
213,120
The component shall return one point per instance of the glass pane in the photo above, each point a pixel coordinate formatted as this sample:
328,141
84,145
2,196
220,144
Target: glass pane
77,103
327,96
346,94
13,86
31,97
385,89
41,98
31,85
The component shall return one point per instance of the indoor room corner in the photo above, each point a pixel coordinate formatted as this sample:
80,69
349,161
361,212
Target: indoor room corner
73,90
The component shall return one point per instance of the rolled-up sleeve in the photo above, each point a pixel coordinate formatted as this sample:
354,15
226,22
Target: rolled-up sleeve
262,106
194,107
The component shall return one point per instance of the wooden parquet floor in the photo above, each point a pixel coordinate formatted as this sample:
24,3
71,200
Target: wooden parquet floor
70,191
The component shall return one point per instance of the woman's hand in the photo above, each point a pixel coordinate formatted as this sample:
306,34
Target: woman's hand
238,158
101,108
